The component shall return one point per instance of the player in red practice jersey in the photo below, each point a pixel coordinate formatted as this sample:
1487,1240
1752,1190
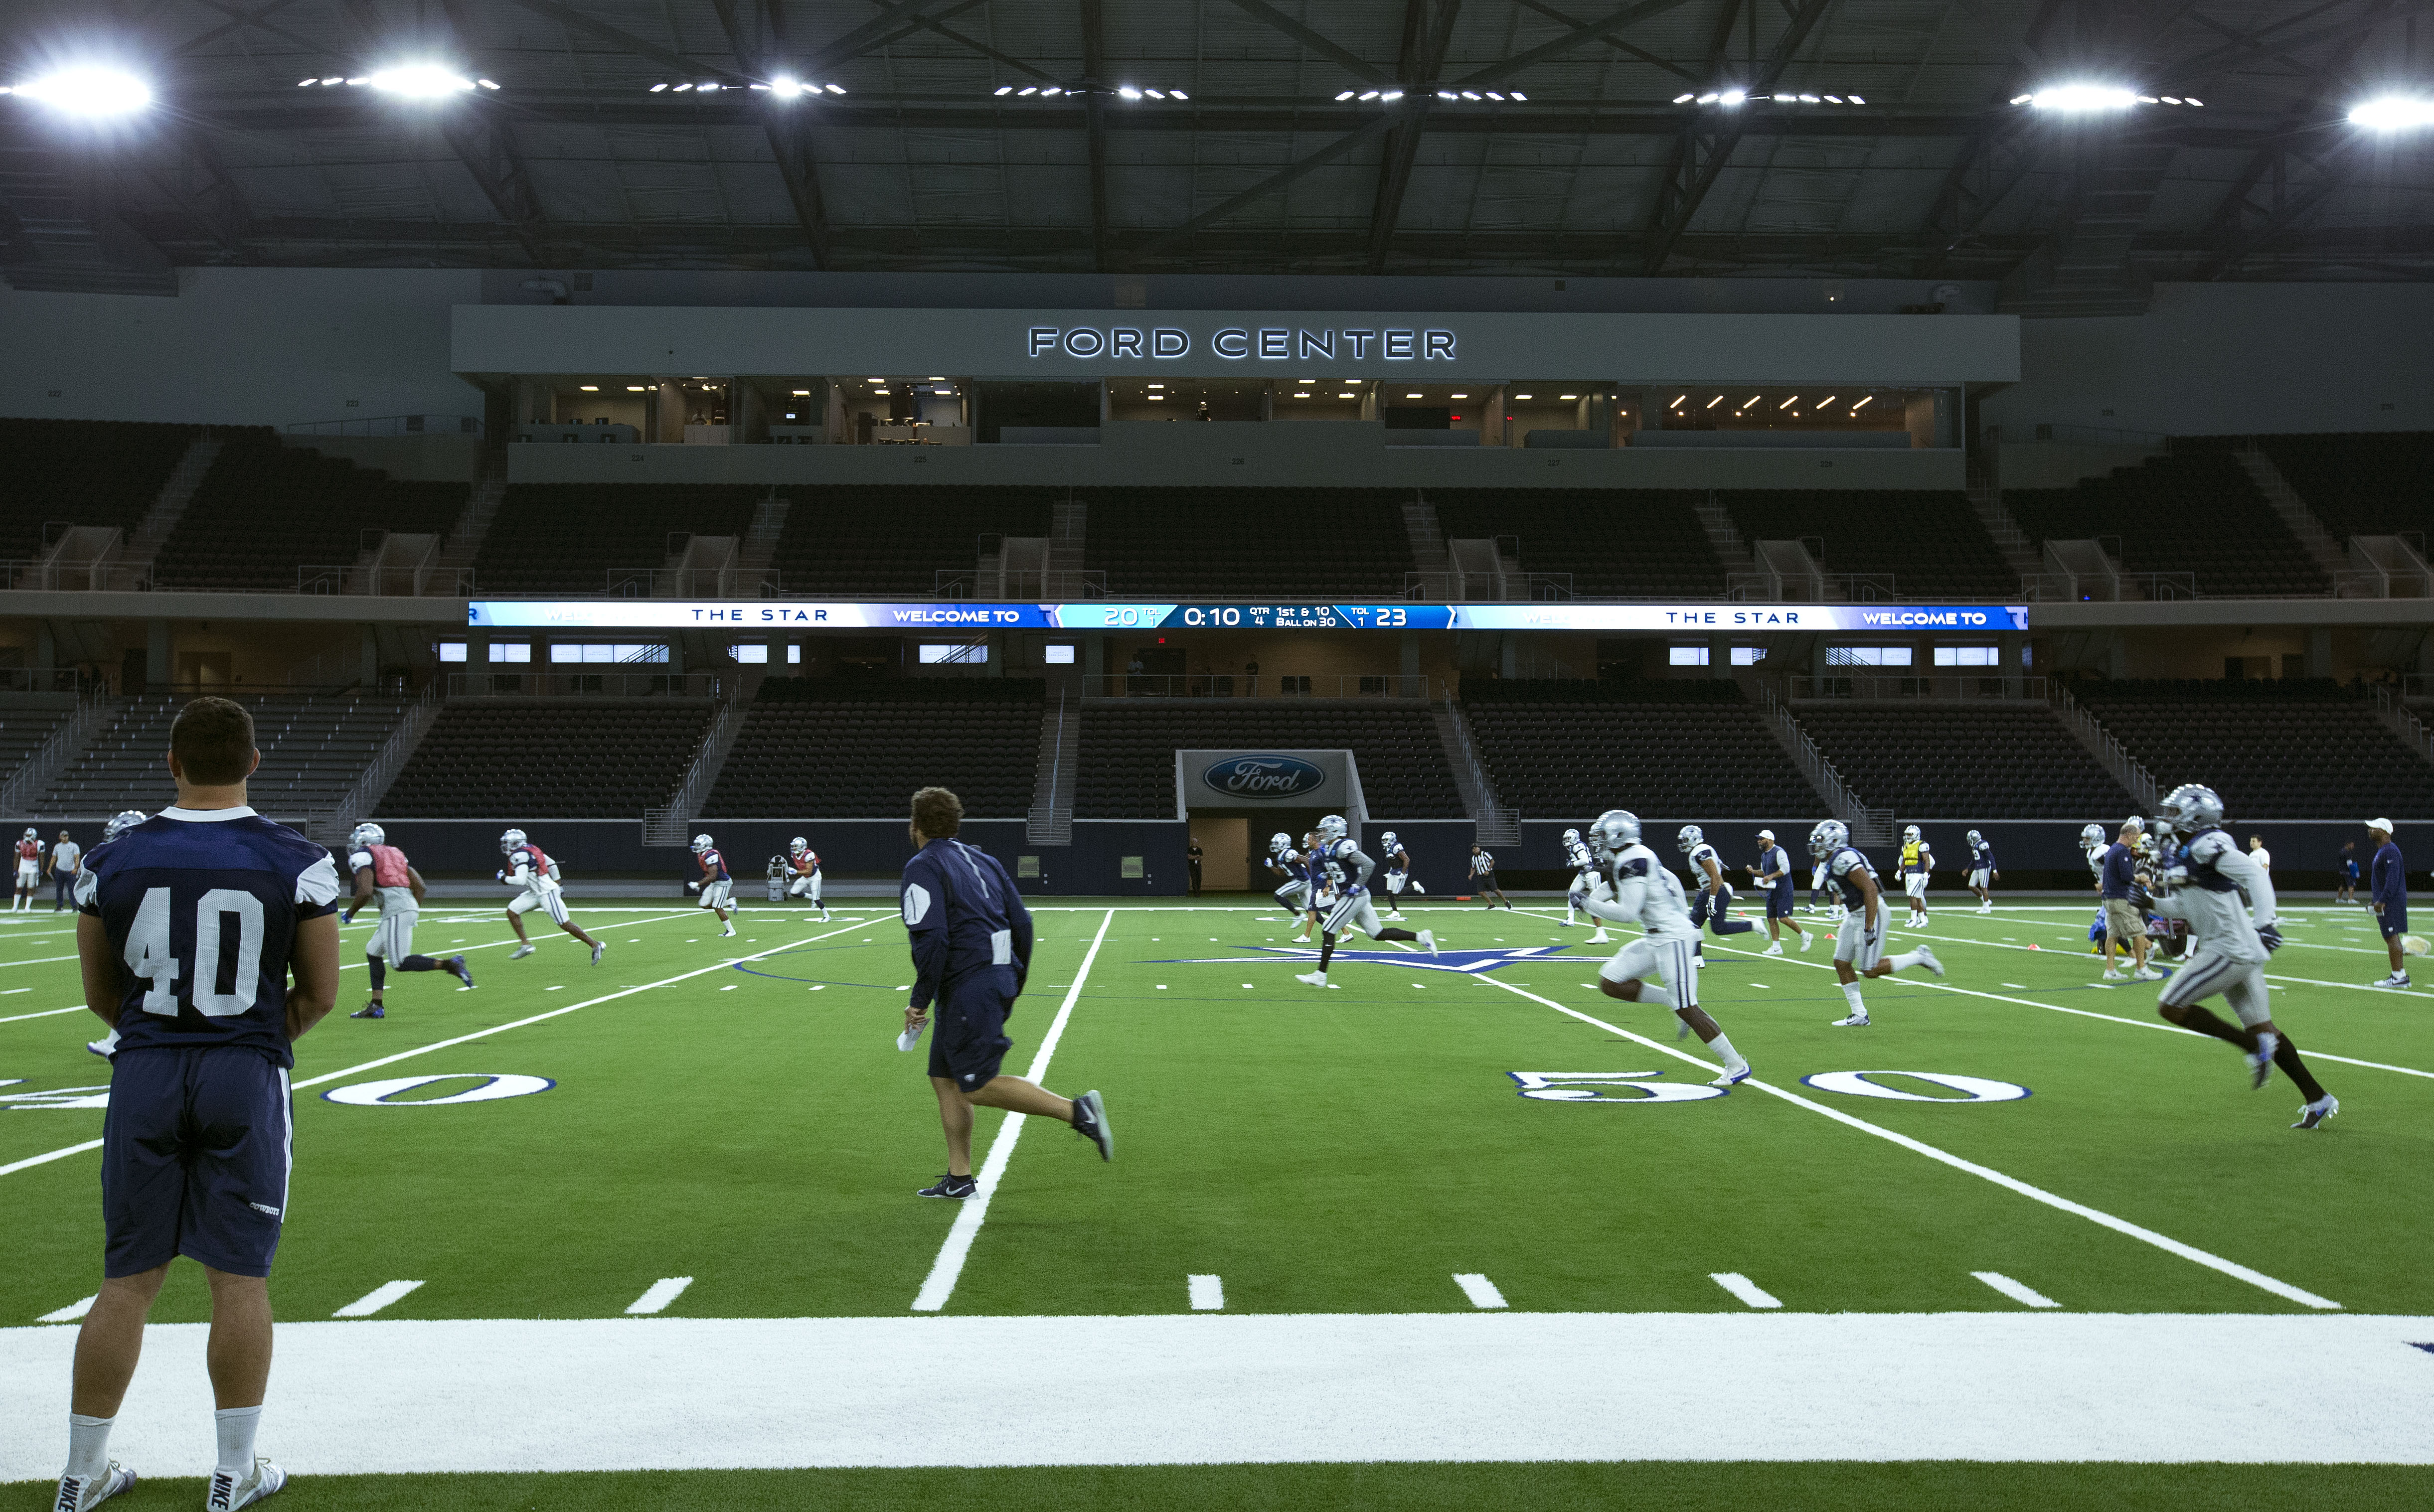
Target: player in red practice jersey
806,883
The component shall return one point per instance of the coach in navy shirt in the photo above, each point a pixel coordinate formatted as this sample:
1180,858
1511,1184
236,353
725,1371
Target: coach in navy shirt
2389,890
2123,920
971,953
192,924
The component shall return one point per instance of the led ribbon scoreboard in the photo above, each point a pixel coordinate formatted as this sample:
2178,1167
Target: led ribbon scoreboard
780,615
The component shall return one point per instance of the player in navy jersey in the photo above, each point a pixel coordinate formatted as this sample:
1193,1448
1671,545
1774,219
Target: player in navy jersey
1713,894
192,924
1981,872
717,889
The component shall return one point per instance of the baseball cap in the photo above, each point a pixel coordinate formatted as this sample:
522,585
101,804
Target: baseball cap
1766,834
2384,824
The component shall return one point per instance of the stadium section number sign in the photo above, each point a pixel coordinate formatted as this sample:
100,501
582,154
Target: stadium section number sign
783,614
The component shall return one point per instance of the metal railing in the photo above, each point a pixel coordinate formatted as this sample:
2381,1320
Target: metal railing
1437,587
692,583
30,574
1833,587
1869,826
357,802
602,684
1927,687
1228,684
2100,435
1493,824
393,425
2066,587
49,680
94,707
2127,770
666,825
2404,722
395,580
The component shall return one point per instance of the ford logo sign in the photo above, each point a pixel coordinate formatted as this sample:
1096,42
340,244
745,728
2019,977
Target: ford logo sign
1263,777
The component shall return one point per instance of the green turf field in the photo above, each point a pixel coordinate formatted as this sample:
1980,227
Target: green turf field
735,1113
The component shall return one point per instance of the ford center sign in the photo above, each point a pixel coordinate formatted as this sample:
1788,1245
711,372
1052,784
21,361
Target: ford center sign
1264,779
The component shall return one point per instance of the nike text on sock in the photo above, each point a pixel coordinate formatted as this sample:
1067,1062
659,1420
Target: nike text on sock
88,1444
235,1427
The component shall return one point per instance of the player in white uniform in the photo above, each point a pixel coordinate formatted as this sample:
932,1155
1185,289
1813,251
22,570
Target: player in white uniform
2200,874
1632,888
380,870
1584,870
1859,939
120,822
806,862
29,870
535,875
1351,907
715,885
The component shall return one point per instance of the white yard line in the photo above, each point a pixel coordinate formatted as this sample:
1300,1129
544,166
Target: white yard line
1750,1291
2036,1194
974,1211
48,1013
2025,1295
378,1297
73,1311
477,1034
1480,1291
655,1297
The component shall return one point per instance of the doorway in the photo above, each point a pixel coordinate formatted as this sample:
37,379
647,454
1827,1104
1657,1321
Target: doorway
1225,853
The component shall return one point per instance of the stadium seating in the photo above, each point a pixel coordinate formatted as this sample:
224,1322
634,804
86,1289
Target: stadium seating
1689,748
2196,512
2377,483
1616,543
856,748
1128,745
1258,543
548,758
85,472
2007,759
314,748
1931,542
872,541
22,730
2292,748
265,509
568,538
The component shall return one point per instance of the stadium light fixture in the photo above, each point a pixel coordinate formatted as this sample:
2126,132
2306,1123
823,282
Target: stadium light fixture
1788,403
1713,402
1827,399
420,81
637,388
1494,96
1523,396
488,84
334,82
1863,404
1342,96
590,388
1127,92
1415,395
93,91
1460,395
2394,113
1050,91
833,89
801,392
1684,99
656,88
682,88
1003,89
2082,98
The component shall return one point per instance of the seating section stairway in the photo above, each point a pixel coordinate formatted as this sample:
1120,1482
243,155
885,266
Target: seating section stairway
1664,750
314,748
2007,759
1128,745
1324,544
856,748
549,758
568,538
874,541
265,509
22,730
1930,542
2195,511
2376,483
84,472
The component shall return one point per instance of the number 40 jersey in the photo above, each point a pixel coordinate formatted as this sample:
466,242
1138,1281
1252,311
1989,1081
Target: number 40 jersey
201,906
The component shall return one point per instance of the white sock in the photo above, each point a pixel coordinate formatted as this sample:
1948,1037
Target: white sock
1906,960
1656,995
1851,996
236,1426
88,1444
1724,1051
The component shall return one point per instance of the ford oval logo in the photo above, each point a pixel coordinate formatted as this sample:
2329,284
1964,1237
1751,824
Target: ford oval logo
1264,776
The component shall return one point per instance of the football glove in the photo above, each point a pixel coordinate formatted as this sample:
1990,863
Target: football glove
2270,934
692,887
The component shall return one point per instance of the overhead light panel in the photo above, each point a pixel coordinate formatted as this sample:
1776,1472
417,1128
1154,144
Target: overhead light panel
1342,96
1522,396
1863,404
1003,89
591,388
2083,99
1684,99
90,92
635,388
1731,98
682,88
2394,113
801,392
1461,396
656,88
1028,88
833,89
1713,402
1049,90
1788,403
1127,92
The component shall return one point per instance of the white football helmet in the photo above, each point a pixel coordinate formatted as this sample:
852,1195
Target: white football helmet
1571,836
798,846
508,842
1387,842
1615,831
1829,836
1279,843
1332,827
2092,837
700,843
121,822
1690,838
1976,839
367,833
1909,834
30,833
2186,809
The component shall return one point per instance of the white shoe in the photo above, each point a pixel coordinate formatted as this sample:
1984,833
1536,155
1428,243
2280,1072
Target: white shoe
523,950
78,1492
2311,1115
1775,949
1926,958
1732,1078
1313,978
228,1492
1805,940
1985,907
2110,975
2398,978
1429,938
1856,1021
727,934
2145,974
1599,939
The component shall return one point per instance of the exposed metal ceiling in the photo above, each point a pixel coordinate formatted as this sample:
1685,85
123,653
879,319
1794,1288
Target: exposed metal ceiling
575,162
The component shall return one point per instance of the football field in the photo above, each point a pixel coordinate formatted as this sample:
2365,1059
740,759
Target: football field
1454,1230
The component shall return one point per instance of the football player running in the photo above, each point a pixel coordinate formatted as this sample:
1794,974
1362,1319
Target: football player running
806,862
1293,895
1859,939
1715,894
1352,909
536,875
717,889
1631,888
1397,862
381,868
29,870
2201,872
1584,869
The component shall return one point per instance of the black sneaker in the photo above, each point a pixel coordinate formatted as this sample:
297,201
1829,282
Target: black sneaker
368,1011
954,1187
1091,1122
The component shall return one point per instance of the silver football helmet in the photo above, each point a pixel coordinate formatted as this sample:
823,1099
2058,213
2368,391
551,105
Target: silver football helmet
1976,839
1690,838
1332,827
1571,836
1279,843
1829,836
1615,831
2091,837
30,833
1910,834
1387,842
798,846
700,843
121,822
2188,808
365,834
508,842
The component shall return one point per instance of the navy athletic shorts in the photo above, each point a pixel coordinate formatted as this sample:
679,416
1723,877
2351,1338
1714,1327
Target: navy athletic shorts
968,1039
196,1150
1781,901
2395,921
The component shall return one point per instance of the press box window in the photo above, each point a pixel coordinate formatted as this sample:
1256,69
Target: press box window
1968,657
749,654
452,651
1060,656
595,651
955,656
511,651
1867,656
1685,656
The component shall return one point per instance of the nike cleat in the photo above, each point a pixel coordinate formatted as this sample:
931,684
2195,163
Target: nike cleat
727,934
101,1047
598,951
1855,1021
1313,978
370,1011
1429,938
2312,1115
1091,1122
523,950
229,1492
1732,1078
79,1492
1599,939
463,973
2145,974
952,1186
1805,940
1775,949
1926,958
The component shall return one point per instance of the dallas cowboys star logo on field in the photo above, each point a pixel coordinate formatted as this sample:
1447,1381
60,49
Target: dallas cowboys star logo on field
1468,962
